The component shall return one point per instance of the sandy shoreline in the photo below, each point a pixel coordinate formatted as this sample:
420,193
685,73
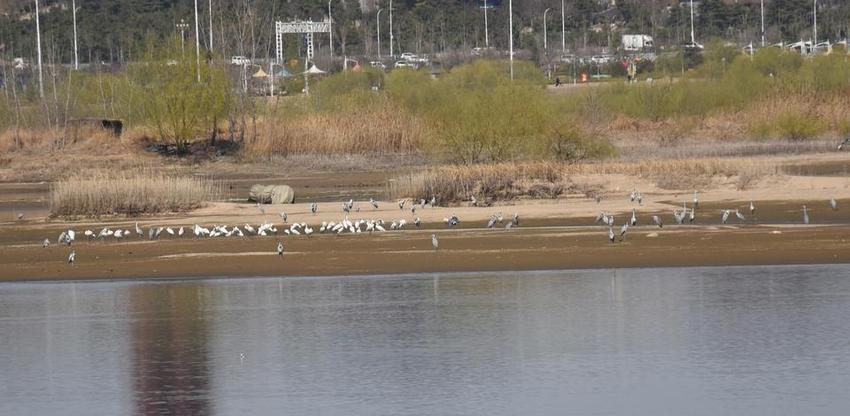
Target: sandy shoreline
553,234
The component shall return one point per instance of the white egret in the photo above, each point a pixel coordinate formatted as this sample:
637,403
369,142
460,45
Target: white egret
435,242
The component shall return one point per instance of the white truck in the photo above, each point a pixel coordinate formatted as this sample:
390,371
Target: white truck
637,43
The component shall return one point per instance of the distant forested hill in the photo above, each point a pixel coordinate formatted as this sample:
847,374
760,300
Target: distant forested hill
116,30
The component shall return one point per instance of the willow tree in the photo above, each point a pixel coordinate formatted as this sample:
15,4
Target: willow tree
178,107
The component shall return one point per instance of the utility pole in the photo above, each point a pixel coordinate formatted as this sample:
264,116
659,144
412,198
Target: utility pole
211,26
511,40
486,25
378,25
197,44
693,35
545,33
331,29
563,30
762,23
38,43
815,25
391,28
74,13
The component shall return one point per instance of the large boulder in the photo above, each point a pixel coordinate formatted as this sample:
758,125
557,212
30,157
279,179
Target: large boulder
272,194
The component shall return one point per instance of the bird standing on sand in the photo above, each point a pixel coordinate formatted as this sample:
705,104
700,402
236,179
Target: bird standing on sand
805,215
434,241
45,243
314,207
724,216
752,209
401,203
833,204
633,221
284,216
374,203
611,234
657,221
623,230
739,215
280,249
696,199
72,257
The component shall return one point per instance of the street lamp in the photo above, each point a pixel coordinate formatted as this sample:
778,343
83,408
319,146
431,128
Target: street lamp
815,25
563,30
486,25
545,32
511,40
182,27
762,23
74,13
378,25
211,26
197,45
330,28
38,43
391,28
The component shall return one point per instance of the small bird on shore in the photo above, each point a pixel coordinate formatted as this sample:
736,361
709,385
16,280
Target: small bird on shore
45,243
724,216
509,225
139,231
284,216
401,203
20,216
72,257
374,203
417,222
623,230
633,221
805,215
657,221
433,202
516,218
314,207
280,249
833,204
435,242
611,234
473,201
752,208
696,199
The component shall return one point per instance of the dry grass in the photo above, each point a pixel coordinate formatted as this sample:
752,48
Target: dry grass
504,181
100,193
371,131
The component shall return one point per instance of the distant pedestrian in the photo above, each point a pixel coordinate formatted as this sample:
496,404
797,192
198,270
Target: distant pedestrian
557,81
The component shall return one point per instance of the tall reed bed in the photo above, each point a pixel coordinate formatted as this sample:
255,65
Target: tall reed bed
102,193
500,181
367,131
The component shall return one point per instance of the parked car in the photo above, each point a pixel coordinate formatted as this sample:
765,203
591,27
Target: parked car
378,64
407,56
239,60
404,64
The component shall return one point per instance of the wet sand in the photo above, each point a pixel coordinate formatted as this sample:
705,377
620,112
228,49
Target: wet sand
774,235
553,234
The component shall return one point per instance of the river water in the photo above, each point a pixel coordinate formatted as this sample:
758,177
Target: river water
697,341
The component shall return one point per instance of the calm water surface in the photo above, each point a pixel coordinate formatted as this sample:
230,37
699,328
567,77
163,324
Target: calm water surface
702,341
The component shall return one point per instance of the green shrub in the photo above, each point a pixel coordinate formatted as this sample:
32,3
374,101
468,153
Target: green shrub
569,143
798,126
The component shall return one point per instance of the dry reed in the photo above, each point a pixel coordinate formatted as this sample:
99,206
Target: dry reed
505,181
101,193
370,131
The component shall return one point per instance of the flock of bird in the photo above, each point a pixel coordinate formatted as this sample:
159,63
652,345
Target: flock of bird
359,226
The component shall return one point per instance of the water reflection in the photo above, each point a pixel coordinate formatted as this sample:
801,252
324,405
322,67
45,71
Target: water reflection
169,349
746,340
